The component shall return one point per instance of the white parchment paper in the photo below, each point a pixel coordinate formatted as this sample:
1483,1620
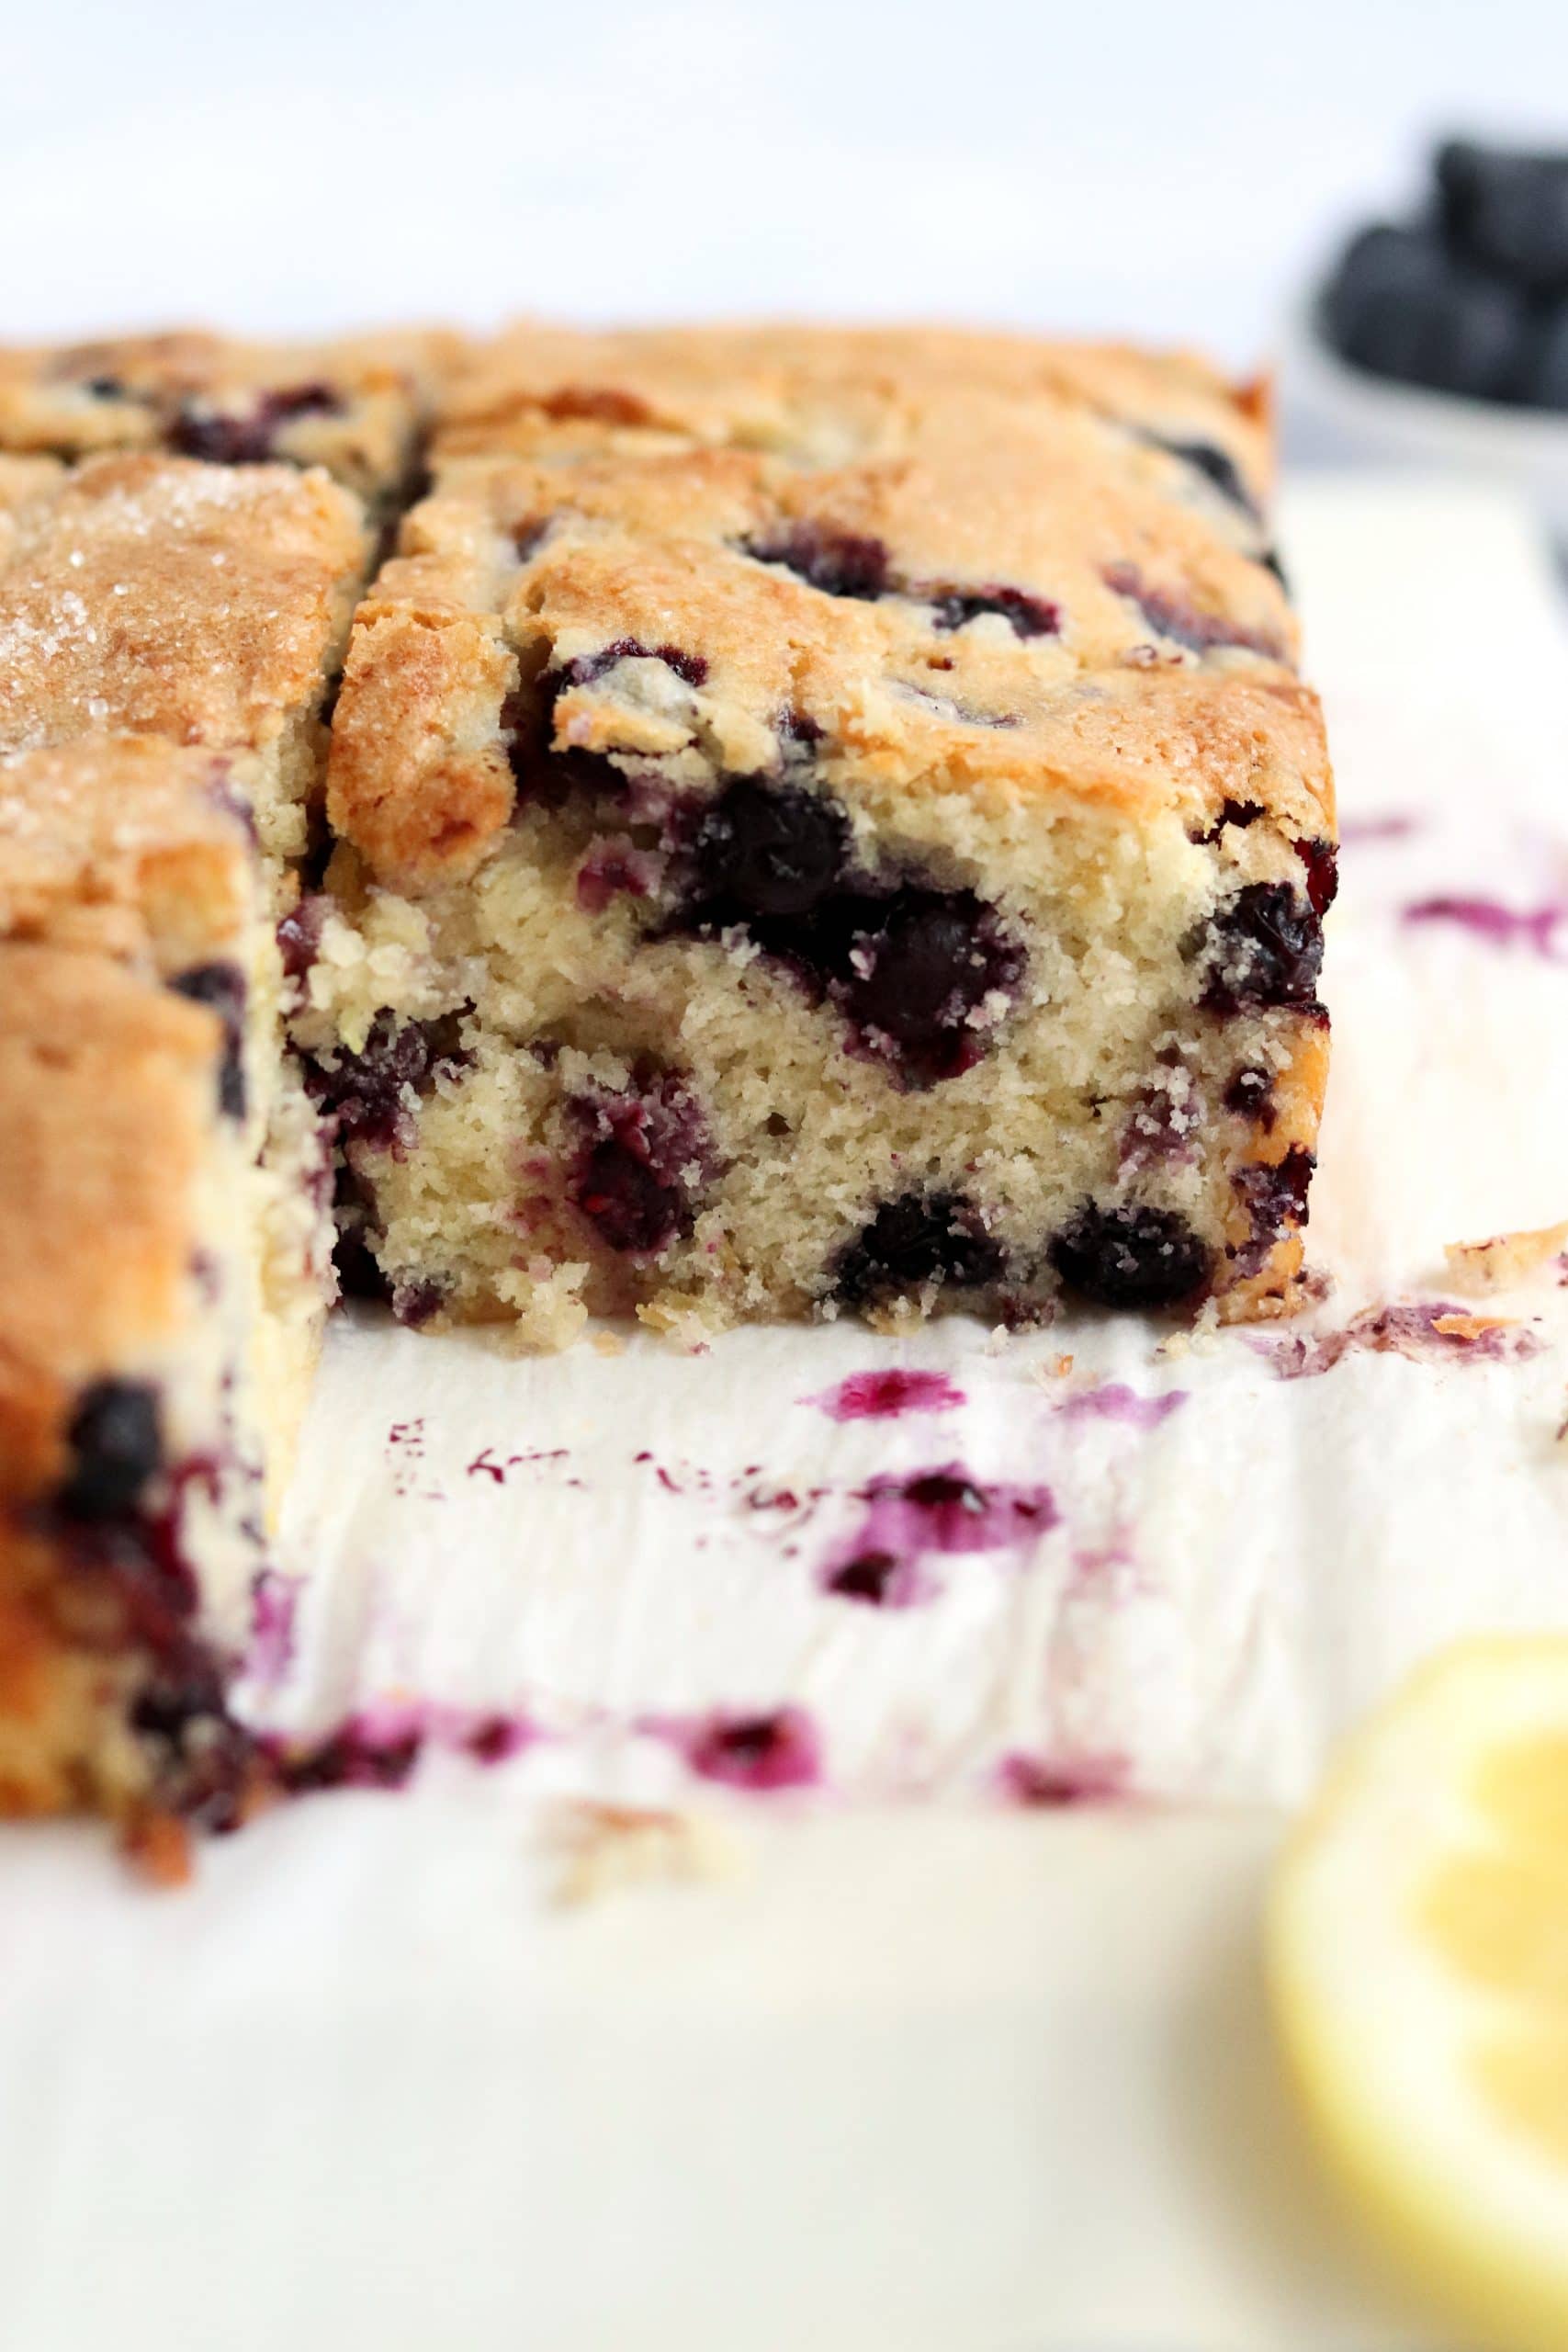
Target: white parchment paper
937,2069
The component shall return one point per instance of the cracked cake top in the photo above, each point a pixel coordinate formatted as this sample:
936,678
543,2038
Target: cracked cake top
826,394
995,587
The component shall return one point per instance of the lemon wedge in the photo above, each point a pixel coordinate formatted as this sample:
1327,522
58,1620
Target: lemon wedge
1418,1952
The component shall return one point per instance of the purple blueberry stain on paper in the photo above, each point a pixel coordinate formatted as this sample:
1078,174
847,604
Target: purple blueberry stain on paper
487,1464
379,1746
275,1602
1363,833
1425,1331
1489,919
1044,1782
764,1751
928,1513
1092,1563
884,1395
1113,1400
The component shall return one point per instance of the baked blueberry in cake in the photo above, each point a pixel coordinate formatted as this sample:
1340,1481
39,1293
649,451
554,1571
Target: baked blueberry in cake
357,406
847,810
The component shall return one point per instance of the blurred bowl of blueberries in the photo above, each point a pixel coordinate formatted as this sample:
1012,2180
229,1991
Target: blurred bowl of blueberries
1443,339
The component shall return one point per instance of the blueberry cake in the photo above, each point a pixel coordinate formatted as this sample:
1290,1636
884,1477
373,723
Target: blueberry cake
803,823
824,822
357,406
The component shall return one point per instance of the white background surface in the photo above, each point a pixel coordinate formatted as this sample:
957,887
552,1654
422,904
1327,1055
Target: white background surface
1172,170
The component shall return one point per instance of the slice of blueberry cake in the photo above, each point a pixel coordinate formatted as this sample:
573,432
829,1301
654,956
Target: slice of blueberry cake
357,406
169,633
825,822
129,1432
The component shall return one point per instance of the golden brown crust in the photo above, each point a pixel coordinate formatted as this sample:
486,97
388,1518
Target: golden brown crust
356,405
1153,667
803,387
418,778
107,1090
157,596
124,846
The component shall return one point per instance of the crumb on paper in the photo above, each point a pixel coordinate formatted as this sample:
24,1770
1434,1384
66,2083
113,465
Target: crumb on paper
1472,1327
1054,1368
608,1343
1199,1337
158,1847
606,1848
1506,1258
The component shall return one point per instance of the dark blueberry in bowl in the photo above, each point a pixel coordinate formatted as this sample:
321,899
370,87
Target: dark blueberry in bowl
770,850
1131,1257
916,1239
222,986
117,1449
1546,382
1266,948
1507,211
1400,306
